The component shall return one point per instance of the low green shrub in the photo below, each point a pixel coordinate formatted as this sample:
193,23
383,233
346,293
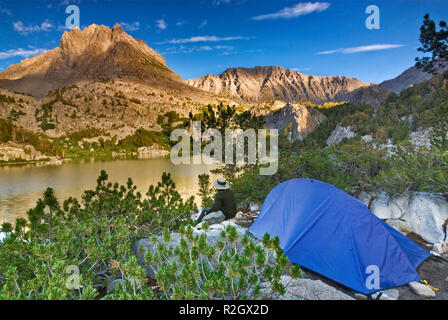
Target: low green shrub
233,269
91,235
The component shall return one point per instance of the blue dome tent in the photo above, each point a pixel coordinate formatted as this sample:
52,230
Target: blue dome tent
326,230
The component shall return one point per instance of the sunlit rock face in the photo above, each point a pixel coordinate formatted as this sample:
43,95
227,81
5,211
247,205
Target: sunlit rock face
295,119
262,84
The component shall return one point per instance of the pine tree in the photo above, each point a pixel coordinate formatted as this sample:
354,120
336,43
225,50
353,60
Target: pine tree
433,41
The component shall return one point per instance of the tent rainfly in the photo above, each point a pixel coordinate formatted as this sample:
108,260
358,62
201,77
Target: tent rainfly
326,230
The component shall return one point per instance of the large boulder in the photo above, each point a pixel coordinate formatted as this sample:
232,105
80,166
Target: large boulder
366,198
305,289
12,151
421,138
386,208
297,119
422,213
400,225
152,152
440,248
214,217
422,290
428,214
367,138
340,133
255,207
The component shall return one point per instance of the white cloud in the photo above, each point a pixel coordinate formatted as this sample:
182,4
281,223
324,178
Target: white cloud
181,23
223,50
372,47
161,24
300,9
134,26
218,2
204,39
203,24
224,47
20,53
232,52
6,11
183,50
25,30
301,69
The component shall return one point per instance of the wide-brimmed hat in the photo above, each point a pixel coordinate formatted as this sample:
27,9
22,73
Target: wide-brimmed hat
221,184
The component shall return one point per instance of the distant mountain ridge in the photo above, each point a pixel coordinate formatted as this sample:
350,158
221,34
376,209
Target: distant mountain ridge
411,76
259,84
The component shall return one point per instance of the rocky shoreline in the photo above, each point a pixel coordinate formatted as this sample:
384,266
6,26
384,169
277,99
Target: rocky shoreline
17,154
12,153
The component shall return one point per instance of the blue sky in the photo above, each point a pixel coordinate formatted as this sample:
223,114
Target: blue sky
199,37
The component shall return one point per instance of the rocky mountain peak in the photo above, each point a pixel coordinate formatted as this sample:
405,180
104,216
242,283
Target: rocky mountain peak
98,39
96,52
117,28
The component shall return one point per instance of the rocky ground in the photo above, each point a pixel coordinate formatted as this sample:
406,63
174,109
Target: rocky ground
434,270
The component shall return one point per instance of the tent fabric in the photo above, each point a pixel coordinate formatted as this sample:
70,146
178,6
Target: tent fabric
326,230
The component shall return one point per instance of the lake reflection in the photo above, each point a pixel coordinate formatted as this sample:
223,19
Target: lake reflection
21,186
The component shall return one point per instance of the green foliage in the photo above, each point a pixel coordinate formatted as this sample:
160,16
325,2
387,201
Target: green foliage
94,235
439,134
136,101
6,130
415,107
349,166
435,42
205,190
343,114
77,136
248,120
134,284
9,132
15,114
7,99
167,120
233,269
326,105
43,115
220,119
412,169
144,138
104,148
